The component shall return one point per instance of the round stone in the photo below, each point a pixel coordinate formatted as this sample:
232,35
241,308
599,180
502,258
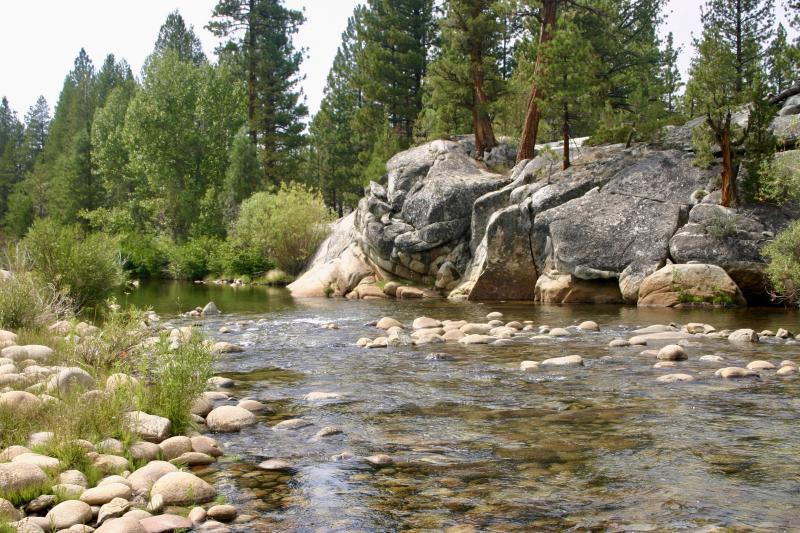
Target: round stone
69,513
674,378
105,493
672,352
567,360
760,365
229,418
223,513
182,488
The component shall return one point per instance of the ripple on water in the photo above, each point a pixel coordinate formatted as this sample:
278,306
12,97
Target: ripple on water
478,444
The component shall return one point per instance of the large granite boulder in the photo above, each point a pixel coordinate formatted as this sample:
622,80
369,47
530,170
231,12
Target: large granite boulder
338,266
732,239
690,285
629,221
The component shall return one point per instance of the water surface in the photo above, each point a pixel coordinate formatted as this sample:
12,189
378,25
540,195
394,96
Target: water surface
477,444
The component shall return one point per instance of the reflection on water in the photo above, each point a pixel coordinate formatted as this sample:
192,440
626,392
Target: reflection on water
479,445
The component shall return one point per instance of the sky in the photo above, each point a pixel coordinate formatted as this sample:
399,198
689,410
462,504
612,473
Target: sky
34,62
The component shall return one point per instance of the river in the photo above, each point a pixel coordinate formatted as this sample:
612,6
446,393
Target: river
480,446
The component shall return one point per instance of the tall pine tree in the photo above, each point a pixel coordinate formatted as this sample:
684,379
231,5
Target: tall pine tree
398,36
176,36
260,36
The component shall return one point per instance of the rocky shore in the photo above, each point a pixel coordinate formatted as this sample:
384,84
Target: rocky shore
141,482
637,225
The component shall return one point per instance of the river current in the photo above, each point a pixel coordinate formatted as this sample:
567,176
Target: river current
480,446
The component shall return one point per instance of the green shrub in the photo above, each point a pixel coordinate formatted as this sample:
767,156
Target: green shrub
286,226
721,225
27,302
88,268
231,260
144,256
174,379
191,260
783,269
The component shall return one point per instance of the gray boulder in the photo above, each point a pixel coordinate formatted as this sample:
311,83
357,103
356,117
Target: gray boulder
732,239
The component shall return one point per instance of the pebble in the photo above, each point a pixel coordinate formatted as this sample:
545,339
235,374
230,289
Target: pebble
559,332
291,424
425,322
275,465
69,513
494,316
105,493
618,343
388,322
327,431
787,371
743,336
476,339
567,360
665,364
182,488
165,523
379,460
321,396
712,359
223,513
732,372
674,378
760,365
589,325
529,366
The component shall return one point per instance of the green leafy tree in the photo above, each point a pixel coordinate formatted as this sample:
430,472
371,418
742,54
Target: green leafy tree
286,226
260,34
178,130
175,36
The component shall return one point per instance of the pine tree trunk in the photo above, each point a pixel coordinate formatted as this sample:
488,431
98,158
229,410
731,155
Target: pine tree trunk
728,179
251,73
530,129
565,131
482,126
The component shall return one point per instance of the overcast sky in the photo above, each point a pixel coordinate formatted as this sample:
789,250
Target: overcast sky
39,40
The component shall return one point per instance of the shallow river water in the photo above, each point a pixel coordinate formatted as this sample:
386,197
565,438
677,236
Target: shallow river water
480,446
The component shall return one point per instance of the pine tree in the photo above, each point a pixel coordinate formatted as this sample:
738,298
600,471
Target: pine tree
175,36
743,26
468,72
37,128
548,14
112,74
243,176
333,163
782,69
11,133
398,36
260,36
670,73
569,62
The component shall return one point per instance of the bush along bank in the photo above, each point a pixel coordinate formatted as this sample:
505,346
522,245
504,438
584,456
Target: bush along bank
97,426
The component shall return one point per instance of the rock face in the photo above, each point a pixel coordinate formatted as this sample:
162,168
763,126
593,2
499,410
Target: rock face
592,233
